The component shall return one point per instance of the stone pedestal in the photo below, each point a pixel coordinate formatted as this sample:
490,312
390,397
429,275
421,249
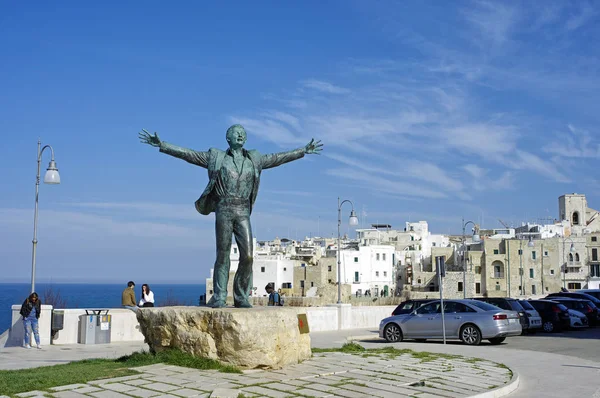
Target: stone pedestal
260,337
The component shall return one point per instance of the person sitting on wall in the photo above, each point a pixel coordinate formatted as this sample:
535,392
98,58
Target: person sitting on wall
128,297
147,299
31,311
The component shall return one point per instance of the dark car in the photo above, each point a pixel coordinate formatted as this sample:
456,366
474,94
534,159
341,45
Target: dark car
591,292
575,295
586,307
509,304
409,306
555,316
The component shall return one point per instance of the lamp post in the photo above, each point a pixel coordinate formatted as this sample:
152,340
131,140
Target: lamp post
571,250
51,177
475,239
352,221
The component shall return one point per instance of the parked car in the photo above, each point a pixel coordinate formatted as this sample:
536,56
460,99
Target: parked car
534,319
555,316
576,295
578,319
409,306
509,304
584,306
591,292
467,320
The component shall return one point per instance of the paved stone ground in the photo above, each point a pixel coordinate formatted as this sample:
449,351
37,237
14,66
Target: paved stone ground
330,374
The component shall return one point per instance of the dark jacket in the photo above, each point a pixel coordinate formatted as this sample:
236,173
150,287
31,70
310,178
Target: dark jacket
213,159
28,306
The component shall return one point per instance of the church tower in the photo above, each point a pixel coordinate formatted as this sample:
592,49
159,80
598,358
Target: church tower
573,207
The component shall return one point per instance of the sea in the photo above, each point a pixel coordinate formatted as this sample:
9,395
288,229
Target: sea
89,295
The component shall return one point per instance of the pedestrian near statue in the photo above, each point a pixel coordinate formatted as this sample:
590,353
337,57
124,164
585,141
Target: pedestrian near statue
31,311
234,178
128,297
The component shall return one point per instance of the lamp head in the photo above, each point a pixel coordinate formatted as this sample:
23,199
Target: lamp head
572,249
52,176
353,218
530,243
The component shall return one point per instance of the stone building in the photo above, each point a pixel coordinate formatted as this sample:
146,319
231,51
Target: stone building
593,255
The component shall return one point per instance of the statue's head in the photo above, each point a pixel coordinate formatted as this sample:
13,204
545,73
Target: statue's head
236,136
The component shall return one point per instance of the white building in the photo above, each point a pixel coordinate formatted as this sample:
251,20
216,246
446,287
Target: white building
369,268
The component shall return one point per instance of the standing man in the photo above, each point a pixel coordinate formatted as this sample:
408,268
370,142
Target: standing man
234,178
128,297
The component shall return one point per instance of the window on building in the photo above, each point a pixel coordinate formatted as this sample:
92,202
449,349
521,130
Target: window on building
498,269
575,218
383,256
595,270
533,291
384,273
571,257
574,286
576,257
594,238
545,253
329,280
377,257
520,290
376,273
533,255
285,268
551,272
478,269
478,288
594,254
312,284
531,272
356,277
329,268
302,284
235,250
497,286
496,251
262,269
433,244
520,252
460,286
355,259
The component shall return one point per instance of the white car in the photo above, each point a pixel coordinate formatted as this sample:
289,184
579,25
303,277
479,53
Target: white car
533,317
578,319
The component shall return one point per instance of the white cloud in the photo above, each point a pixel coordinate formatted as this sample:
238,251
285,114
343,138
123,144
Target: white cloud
585,13
576,143
494,20
324,87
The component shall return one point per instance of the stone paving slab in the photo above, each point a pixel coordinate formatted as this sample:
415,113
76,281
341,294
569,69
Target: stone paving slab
333,374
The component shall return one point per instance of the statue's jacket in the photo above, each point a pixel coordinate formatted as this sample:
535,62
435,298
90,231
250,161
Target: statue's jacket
213,159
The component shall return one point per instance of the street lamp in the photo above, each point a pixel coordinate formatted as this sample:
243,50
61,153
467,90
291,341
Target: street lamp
352,221
476,240
571,249
51,177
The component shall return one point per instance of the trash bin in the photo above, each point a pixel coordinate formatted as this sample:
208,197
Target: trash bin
58,322
94,327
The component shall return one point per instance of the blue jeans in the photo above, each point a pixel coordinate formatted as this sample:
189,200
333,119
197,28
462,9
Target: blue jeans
33,324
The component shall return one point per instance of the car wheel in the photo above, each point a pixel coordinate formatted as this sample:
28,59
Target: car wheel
548,326
497,340
392,333
470,334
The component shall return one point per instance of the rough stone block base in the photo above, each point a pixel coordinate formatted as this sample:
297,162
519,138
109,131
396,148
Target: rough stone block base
260,337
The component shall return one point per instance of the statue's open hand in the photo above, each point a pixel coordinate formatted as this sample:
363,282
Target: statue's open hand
313,147
147,138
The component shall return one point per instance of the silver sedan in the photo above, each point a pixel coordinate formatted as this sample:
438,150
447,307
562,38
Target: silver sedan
467,320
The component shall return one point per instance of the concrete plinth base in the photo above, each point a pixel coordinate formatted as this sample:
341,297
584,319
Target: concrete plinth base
261,337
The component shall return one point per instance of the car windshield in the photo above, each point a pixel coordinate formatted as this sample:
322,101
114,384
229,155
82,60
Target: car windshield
516,306
484,306
562,307
526,305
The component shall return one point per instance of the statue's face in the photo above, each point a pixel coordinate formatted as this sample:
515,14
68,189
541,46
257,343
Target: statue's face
236,137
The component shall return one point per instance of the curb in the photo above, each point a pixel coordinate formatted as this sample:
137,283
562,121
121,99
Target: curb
501,391
510,387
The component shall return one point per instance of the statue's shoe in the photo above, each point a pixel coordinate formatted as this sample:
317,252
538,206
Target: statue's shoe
243,304
217,304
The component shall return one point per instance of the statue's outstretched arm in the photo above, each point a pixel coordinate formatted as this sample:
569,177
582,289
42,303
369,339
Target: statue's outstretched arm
189,155
277,159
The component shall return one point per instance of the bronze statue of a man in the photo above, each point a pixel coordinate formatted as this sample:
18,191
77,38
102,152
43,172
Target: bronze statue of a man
234,177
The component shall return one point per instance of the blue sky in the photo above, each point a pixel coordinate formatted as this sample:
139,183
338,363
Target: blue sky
428,111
